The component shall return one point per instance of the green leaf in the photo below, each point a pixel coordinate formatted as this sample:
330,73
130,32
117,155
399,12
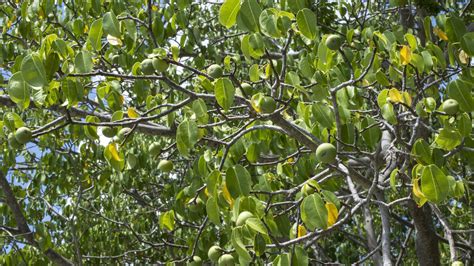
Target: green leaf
306,21
213,180
167,220
371,133
297,5
282,260
238,181
455,29
299,257
228,12
254,73
464,125
95,35
422,151
200,109
187,135
237,243
83,62
393,181
114,157
268,23
259,245
323,114
212,210
448,138
249,13
256,225
111,25
434,184
388,113
18,90
467,43
314,213
461,91
33,71
225,93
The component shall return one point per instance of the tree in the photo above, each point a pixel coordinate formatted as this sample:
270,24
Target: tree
238,131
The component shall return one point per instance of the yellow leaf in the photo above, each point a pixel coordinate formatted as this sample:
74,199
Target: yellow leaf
395,95
227,195
440,33
419,196
206,192
406,98
112,147
333,213
132,113
463,57
154,8
301,230
405,55
86,29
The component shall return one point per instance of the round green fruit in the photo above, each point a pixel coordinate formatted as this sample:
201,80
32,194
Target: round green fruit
123,132
430,103
334,42
147,66
109,132
13,142
165,165
197,261
23,135
326,153
215,71
457,263
450,106
243,216
214,253
154,149
247,88
309,187
268,105
160,64
226,260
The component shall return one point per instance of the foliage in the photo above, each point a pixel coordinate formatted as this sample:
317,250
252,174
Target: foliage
156,130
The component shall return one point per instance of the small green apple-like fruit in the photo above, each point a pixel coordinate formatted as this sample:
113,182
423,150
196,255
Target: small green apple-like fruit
197,261
215,71
450,106
165,165
154,149
109,132
247,88
147,66
334,42
309,187
457,263
326,153
226,260
160,64
123,132
23,135
243,216
430,104
268,105
13,142
214,253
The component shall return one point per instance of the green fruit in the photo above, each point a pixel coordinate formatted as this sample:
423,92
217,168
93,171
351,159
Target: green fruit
214,253
309,187
147,66
430,103
165,165
23,135
457,263
215,71
247,88
267,105
326,153
123,132
243,216
154,149
450,106
226,260
13,142
109,132
160,64
197,261
334,42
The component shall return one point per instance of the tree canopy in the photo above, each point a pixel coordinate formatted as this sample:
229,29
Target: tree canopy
291,132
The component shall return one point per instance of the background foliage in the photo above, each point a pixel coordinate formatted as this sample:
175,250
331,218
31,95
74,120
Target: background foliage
142,150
